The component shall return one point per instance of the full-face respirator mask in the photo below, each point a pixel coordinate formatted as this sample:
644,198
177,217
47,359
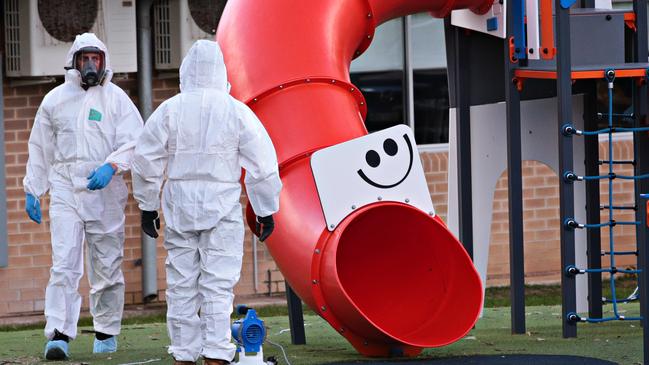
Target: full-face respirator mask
90,62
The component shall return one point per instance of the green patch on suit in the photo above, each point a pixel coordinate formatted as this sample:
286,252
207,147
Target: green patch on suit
94,115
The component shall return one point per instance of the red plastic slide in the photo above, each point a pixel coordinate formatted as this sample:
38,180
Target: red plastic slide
390,278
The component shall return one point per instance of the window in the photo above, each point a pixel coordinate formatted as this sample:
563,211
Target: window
431,106
383,91
430,81
382,73
379,74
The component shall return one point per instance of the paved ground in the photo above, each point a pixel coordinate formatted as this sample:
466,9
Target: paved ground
137,310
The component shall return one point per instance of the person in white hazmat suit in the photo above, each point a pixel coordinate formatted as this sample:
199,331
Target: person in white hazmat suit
202,137
82,141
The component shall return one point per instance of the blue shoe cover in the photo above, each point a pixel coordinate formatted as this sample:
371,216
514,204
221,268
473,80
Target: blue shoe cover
56,350
105,346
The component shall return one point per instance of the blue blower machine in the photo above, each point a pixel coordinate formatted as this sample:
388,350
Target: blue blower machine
249,334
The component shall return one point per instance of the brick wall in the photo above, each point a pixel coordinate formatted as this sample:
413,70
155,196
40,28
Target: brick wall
541,219
23,282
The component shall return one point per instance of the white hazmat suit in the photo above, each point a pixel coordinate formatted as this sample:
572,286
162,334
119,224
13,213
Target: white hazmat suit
202,137
75,131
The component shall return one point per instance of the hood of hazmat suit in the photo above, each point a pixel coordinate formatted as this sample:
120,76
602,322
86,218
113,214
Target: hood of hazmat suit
88,41
202,137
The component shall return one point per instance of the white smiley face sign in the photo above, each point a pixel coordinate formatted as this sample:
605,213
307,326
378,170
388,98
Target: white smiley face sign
381,166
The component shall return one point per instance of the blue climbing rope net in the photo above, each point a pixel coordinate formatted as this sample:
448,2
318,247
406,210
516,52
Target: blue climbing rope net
611,176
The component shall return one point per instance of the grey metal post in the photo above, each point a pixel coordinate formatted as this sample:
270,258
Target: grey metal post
4,239
144,90
515,188
408,90
643,277
457,49
594,236
295,316
641,146
255,266
566,188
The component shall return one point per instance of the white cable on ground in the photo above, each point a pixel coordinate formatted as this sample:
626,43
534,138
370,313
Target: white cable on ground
289,330
142,362
281,348
634,295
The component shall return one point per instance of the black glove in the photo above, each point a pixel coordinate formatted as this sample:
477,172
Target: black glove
264,226
150,223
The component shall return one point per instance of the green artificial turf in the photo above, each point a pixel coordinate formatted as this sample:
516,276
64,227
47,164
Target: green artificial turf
616,341
551,294
494,297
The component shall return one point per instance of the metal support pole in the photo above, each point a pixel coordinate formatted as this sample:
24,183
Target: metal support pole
457,51
255,264
144,58
515,188
643,259
4,239
408,89
566,187
295,316
640,148
594,236
144,90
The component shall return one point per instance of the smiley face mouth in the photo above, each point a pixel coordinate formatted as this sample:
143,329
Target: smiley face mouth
381,186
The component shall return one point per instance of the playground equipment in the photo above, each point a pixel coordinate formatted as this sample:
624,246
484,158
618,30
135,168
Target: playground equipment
289,61
611,207
572,49
388,277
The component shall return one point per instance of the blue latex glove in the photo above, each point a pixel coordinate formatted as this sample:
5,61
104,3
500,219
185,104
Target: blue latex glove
33,208
100,177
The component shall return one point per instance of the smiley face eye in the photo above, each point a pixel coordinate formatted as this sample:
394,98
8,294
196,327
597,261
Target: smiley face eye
390,147
373,159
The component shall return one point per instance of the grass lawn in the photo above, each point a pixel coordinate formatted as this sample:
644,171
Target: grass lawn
620,342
